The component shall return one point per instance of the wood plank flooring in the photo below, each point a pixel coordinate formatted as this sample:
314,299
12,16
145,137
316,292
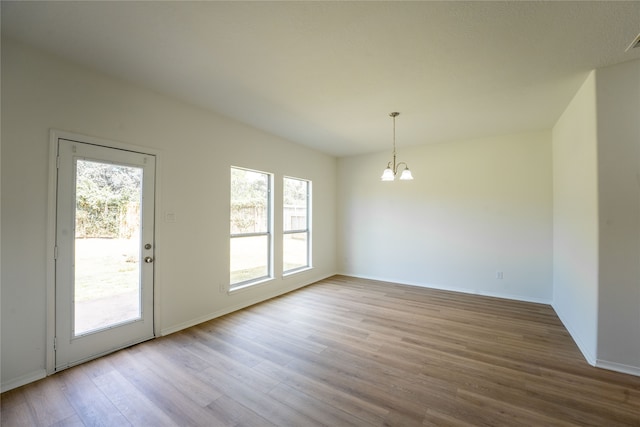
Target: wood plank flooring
344,352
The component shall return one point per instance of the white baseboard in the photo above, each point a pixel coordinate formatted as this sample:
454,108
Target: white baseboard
23,380
590,358
196,321
227,310
618,367
455,289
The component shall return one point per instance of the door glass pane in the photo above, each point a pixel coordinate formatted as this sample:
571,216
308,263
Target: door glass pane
107,288
249,258
295,251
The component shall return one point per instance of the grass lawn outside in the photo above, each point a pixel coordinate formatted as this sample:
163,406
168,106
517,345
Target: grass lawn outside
107,282
249,256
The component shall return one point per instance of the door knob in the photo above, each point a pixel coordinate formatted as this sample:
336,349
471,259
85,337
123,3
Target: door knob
148,259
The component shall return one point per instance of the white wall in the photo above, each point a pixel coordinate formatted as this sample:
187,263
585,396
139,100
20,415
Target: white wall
474,208
197,147
575,219
618,105
596,166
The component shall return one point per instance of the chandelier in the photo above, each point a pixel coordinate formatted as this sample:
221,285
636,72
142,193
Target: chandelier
391,171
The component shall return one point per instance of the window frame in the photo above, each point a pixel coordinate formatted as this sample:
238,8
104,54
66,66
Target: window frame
268,233
306,230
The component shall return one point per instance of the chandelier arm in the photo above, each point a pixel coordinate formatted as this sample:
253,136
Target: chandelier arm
396,167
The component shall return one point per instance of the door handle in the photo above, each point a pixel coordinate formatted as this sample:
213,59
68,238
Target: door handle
148,259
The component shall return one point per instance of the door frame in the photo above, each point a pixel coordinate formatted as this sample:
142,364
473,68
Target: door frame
54,135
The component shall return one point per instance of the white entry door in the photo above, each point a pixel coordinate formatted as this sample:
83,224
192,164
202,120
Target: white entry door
104,250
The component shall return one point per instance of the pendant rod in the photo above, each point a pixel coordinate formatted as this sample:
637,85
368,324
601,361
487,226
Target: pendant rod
393,116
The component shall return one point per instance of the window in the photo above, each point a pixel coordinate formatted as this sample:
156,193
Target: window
251,227
296,254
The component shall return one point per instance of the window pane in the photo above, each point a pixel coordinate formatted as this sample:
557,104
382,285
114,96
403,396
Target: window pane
295,251
249,201
295,204
249,258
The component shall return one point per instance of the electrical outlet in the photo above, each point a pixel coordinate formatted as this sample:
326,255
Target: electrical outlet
499,275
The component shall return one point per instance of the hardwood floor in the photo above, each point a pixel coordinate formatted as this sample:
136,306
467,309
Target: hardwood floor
344,352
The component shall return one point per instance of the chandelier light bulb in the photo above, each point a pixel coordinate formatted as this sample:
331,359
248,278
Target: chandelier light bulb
388,175
406,175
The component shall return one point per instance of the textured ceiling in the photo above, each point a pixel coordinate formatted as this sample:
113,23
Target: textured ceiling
326,74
